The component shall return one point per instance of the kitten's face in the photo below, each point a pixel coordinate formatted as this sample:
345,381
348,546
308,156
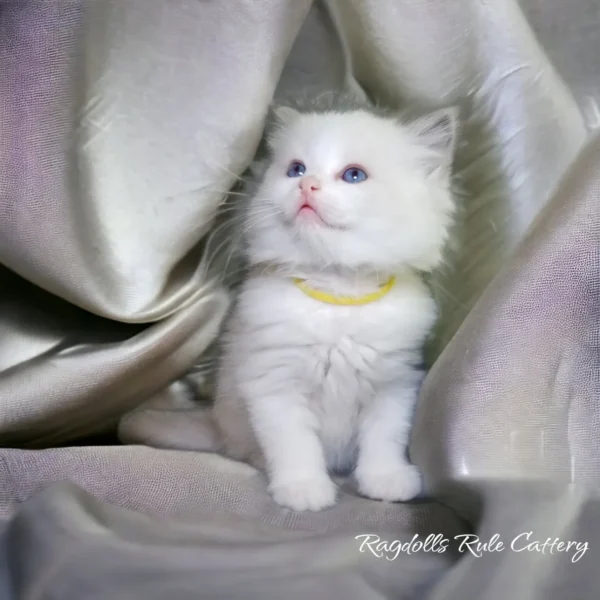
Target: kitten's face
353,190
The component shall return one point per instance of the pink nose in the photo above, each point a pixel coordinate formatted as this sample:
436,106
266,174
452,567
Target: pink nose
309,184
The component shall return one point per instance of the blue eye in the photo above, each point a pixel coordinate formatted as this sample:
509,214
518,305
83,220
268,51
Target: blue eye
354,175
296,169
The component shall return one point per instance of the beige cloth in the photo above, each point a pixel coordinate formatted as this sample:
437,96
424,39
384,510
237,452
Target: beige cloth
122,124
126,121
515,394
65,545
118,140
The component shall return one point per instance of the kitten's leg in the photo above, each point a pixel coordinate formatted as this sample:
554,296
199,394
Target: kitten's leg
383,471
286,430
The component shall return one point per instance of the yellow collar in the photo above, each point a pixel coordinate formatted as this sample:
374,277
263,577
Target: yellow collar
346,300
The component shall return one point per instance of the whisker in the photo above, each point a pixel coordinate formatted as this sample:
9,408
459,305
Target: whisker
214,233
226,267
229,172
215,254
439,287
235,193
252,224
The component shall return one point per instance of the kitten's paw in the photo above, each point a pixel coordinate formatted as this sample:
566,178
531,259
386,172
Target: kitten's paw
392,485
305,494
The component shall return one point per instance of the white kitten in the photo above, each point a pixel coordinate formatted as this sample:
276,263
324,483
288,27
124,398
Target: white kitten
311,382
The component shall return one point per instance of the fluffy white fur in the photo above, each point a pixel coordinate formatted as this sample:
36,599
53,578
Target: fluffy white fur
307,388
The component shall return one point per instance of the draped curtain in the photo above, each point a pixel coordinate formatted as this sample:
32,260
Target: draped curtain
123,124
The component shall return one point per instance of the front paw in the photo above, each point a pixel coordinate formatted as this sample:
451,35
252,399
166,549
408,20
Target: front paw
314,494
400,483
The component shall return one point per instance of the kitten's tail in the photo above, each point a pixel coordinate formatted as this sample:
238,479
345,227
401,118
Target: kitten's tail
177,418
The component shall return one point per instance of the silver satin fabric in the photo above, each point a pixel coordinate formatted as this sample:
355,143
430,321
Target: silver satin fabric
118,141
65,544
122,126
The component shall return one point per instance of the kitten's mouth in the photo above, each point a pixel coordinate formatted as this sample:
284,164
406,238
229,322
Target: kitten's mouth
309,213
307,207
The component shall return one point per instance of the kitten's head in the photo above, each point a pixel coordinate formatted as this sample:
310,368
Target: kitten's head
353,189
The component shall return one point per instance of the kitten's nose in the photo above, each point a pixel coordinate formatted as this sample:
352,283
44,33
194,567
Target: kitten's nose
309,183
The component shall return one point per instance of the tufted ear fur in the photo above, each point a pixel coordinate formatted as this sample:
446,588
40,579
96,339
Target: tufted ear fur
438,131
284,115
279,118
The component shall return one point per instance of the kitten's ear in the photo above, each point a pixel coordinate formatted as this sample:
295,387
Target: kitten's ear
284,115
438,131
279,118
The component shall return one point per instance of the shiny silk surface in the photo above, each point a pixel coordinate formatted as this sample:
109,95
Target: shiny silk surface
122,126
118,140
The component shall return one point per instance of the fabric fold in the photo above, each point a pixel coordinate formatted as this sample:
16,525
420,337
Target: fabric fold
123,125
520,130
514,395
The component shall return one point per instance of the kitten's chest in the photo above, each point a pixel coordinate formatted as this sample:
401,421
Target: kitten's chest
338,326
348,351
337,346
344,370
